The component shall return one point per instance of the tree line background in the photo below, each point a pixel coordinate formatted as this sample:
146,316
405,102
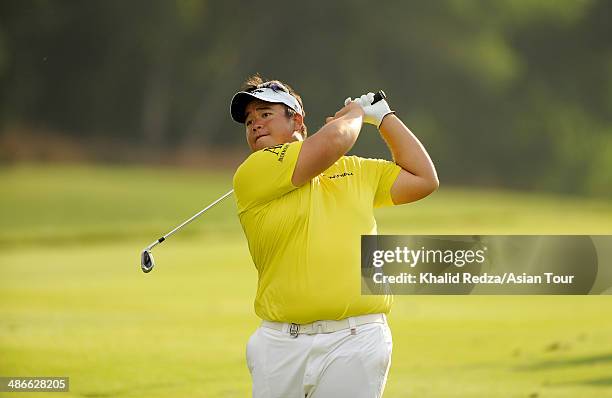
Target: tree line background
507,93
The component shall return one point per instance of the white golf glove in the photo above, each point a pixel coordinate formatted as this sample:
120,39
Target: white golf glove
374,114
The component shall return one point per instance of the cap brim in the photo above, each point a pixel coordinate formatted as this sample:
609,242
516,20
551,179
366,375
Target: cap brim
242,98
239,103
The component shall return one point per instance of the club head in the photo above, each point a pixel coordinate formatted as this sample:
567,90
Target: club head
146,261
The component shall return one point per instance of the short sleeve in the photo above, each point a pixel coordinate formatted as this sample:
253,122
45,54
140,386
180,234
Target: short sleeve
266,175
380,174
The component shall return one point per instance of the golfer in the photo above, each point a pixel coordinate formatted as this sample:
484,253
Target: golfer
303,206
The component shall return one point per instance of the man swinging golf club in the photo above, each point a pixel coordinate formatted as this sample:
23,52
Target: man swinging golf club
303,206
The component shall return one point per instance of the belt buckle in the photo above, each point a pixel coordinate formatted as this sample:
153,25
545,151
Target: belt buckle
294,329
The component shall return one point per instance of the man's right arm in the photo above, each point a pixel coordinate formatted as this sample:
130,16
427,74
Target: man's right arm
330,143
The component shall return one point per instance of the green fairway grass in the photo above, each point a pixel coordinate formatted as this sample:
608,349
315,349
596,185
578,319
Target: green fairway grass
73,301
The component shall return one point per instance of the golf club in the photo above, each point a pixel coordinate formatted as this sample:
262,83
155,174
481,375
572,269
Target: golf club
146,258
380,95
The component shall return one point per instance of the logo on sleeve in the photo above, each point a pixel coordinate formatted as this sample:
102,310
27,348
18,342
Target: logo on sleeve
278,150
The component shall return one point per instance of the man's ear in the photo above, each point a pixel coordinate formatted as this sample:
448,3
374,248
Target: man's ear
298,123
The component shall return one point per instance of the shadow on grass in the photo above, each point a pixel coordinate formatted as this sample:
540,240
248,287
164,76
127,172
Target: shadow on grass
597,382
562,363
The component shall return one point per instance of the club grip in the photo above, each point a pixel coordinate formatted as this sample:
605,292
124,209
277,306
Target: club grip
379,96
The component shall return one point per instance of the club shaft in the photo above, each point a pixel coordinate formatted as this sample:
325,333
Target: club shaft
160,240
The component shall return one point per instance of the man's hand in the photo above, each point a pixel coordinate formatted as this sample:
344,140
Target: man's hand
348,108
374,114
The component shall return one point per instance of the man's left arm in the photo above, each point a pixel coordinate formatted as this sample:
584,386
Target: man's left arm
418,177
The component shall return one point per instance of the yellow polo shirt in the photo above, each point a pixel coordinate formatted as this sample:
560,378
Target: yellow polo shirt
305,241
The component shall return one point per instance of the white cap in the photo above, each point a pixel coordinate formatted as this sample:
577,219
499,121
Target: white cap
268,94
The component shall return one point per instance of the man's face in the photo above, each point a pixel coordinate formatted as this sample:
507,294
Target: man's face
267,124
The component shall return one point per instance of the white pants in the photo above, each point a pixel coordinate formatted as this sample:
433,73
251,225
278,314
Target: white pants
326,365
